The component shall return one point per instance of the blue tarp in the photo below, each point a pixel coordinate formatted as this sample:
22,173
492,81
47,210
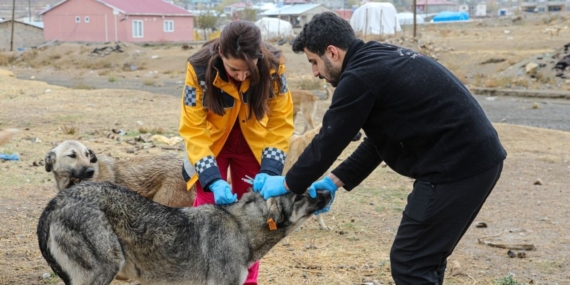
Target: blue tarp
450,16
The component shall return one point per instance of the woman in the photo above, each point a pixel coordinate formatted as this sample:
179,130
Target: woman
237,114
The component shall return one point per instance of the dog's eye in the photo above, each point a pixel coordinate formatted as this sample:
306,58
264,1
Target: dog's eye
72,155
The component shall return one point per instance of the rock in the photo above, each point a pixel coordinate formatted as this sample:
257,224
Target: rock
455,268
511,254
531,68
481,225
538,182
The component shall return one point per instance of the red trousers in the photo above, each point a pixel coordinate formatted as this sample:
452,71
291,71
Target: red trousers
237,156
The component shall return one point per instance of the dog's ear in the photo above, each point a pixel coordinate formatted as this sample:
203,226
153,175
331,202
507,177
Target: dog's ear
49,160
275,211
93,156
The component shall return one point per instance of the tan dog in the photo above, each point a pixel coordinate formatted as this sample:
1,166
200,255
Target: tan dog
6,135
156,177
297,145
305,103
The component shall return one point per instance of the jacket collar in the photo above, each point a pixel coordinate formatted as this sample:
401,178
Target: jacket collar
221,70
354,47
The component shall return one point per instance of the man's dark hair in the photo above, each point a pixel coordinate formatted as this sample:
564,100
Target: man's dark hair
324,29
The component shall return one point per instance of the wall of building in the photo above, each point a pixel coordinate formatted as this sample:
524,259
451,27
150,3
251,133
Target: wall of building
25,36
79,20
153,29
68,22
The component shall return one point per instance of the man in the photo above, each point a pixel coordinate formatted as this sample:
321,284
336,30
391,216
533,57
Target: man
420,120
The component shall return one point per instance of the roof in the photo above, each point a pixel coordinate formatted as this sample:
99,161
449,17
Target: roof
344,13
291,9
39,25
435,2
139,7
237,5
295,2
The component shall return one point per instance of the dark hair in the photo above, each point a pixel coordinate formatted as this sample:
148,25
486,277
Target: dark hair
324,29
240,40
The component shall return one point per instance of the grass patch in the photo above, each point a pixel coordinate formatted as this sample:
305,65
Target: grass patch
154,131
82,86
149,82
69,130
6,59
496,82
112,79
508,280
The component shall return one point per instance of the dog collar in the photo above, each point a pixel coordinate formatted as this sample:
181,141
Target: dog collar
272,225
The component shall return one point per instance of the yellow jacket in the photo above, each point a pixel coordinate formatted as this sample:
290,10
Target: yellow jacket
205,133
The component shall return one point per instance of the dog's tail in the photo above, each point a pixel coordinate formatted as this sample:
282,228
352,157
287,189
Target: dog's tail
43,232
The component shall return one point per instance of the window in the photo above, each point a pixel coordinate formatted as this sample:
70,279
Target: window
137,29
168,26
78,19
86,19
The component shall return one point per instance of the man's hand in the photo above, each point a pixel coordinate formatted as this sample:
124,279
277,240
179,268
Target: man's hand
324,184
223,192
273,186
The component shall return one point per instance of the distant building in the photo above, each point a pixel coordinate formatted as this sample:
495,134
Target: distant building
201,4
25,35
431,7
233,8
117,20
543,6
344,13
298,15
333,4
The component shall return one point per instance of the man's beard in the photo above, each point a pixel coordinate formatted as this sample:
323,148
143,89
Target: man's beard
332,73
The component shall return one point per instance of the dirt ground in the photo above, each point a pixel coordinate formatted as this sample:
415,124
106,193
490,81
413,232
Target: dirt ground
529,205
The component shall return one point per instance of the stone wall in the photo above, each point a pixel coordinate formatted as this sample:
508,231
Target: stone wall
25,36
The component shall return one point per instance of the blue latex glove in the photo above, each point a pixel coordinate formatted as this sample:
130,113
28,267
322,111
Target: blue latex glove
4,156
323,184
273,186
222,192
259,181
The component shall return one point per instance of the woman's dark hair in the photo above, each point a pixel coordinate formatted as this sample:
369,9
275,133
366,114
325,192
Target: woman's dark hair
324,29
240,40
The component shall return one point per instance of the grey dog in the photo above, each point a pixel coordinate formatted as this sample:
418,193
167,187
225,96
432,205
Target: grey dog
94,231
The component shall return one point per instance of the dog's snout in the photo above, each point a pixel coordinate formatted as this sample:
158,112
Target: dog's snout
89,172
85,173
324,197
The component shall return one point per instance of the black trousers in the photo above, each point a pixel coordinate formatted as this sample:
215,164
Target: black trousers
433,222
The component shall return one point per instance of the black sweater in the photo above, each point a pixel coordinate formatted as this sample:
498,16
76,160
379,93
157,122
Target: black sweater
417,116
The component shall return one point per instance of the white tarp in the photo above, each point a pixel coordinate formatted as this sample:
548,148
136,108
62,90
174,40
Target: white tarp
407,18
375,18
273,28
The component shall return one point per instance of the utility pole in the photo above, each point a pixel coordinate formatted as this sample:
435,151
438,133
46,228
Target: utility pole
30,12
12,36
415,11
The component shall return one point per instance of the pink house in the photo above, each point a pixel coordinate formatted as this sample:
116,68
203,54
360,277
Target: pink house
117,20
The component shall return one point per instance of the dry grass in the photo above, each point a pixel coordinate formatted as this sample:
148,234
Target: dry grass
154,131
307,83
498,82
69,130
82,86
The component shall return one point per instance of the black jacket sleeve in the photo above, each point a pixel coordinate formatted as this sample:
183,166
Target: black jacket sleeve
359,165
352,102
